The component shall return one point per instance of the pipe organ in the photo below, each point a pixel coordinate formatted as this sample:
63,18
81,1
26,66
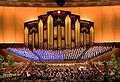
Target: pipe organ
58,30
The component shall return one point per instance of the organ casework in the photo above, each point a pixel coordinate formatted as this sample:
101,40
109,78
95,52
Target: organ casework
58,30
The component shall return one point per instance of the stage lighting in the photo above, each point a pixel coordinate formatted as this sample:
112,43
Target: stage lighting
60,3
58,11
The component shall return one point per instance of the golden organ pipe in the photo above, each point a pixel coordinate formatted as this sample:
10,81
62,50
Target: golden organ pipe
59,36
84,40
50,31
77,32
40,33
33,38
26,36
65,36
91,35
67,31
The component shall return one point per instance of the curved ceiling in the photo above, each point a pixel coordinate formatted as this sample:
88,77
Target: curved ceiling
52,3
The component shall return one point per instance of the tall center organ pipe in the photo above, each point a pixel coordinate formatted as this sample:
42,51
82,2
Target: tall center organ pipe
67,31
50,31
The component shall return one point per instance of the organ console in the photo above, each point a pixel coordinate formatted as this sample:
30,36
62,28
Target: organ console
58,30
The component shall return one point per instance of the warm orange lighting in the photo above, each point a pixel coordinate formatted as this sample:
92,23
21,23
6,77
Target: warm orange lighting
88,19
10,42
13,18
31,19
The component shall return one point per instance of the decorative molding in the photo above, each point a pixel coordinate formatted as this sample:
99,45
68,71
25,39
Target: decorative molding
52,3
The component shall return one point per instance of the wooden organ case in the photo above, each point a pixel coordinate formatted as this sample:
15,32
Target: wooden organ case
58,30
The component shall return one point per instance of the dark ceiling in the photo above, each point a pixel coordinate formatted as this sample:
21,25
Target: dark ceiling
52,3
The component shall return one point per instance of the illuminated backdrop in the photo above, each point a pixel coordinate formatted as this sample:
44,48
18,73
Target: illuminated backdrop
106,21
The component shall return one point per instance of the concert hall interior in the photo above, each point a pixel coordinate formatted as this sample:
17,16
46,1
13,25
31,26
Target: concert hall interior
59,40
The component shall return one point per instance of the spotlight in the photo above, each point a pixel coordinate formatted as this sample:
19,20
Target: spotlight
58,12
60,3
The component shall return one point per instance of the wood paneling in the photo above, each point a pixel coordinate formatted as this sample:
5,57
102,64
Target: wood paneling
9,22
117,23
41,11
94,14
108,24
22,15
1,25
19,25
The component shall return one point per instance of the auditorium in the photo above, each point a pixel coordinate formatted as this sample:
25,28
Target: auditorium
59,40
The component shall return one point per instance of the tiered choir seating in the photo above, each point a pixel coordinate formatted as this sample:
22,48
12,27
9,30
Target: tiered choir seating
60,55
49,55
24,52
95,51
73,54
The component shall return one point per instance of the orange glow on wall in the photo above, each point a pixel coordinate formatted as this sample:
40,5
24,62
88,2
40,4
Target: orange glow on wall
116,23
9,22
1,25
108,24
106,21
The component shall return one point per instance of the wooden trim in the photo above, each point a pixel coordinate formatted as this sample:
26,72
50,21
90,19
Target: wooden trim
12,45
113,44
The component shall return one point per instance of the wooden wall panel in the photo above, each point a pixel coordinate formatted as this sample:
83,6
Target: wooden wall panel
108,24
1,25
41,11
9,24
117,23
92,14
87,13
23,14
29,13
98,35
19,26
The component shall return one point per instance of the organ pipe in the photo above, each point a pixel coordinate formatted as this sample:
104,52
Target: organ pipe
91,35
33,38
40,33
30,39
84,35
87,39
55,32
63,31
77,33
59,36
50,31
36,39
67,31
55,44
81,42
64,34
26,36
63,44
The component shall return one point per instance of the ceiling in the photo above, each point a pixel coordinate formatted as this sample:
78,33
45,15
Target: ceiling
52,3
